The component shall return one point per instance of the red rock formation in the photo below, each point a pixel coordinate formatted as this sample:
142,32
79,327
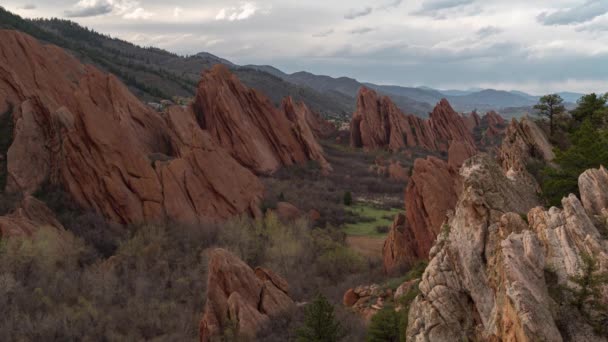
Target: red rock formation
378,123
398,252
397,172
300,116
236,294
432,191
81,129
27,219
472,121
320,127
245,123
449,126
458,153
430,194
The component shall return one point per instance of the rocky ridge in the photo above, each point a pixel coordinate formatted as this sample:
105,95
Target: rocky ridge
378,123
245,123
487,280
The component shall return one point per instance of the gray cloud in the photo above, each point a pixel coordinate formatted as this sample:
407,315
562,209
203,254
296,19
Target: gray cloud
575,15
90,9
323,34
356,13
432,7
28,7
391,4
361,30
488,31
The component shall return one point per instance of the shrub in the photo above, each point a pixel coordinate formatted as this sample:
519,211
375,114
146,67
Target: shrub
384,326
382,229
320,324
348,199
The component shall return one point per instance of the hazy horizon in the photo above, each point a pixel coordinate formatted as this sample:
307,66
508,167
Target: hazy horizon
540,47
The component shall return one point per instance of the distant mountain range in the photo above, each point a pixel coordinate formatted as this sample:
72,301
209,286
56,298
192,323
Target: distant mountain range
156,74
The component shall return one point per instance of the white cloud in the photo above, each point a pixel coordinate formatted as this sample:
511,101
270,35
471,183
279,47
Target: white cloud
128,9
574,15
177,12
138,13
242,12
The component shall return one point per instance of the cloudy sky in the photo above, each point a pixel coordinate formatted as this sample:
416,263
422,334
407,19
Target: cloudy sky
537,46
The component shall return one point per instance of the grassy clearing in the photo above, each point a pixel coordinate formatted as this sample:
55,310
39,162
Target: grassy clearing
371,218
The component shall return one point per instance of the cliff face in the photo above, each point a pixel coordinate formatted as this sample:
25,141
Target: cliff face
487,276
81,129
378,123
246,124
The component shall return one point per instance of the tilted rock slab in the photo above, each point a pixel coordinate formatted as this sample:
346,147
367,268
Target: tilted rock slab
241,298
379,124
83,130
245,123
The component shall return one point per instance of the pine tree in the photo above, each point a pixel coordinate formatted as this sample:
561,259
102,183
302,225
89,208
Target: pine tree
384,326
550,106
588,293
320,324
348,199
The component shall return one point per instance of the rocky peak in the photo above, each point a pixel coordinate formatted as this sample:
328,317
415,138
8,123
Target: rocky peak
82,130
524,141
378,123
246,124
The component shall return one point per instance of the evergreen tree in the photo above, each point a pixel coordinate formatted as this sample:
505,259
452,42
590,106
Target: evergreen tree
320,324
588,293
591,106
550,106
589,150
384,326
348,199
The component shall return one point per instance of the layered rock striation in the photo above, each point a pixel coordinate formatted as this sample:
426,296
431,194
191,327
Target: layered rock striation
80,129
378,124
246,124
241,298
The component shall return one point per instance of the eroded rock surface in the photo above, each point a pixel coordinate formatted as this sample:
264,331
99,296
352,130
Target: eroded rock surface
486,278
81,129
240,298
378,123
245,123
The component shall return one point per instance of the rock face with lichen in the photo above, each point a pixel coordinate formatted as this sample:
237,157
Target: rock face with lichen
486,280
241,298
82,130
379,124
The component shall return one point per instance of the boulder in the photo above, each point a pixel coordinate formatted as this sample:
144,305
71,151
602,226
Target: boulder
593,185
30,216
287,212
397,172
239,297
82,130
245,123
350,298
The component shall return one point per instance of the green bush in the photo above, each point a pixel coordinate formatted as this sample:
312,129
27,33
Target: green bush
589,150
384,326
320,323
348,199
